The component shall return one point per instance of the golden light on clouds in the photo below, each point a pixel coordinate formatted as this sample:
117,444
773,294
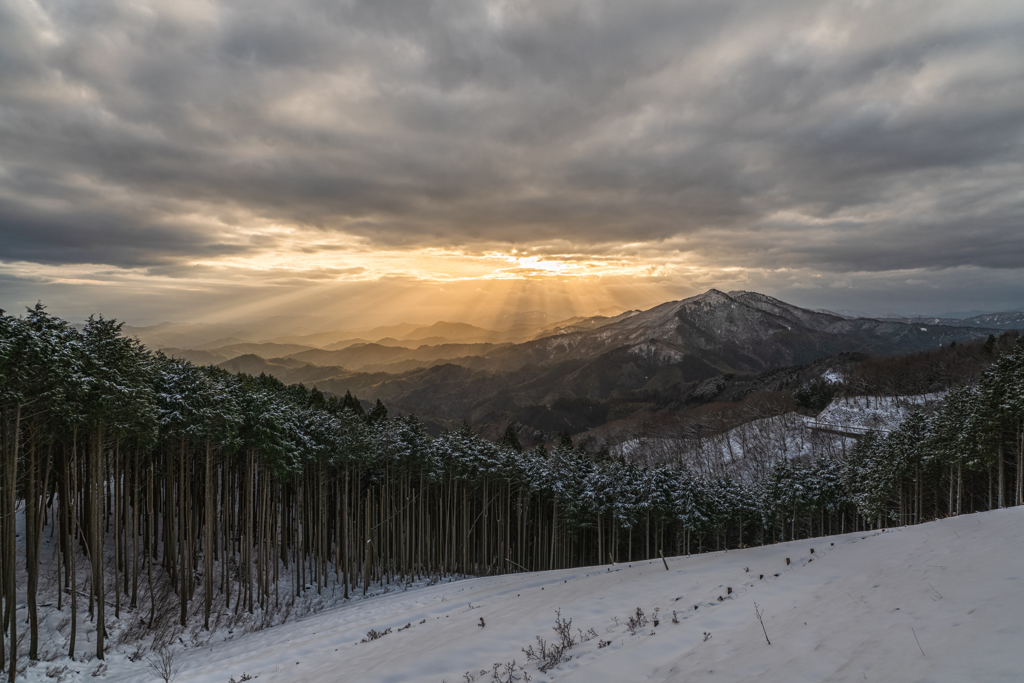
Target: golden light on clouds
188,160
303,271
292,252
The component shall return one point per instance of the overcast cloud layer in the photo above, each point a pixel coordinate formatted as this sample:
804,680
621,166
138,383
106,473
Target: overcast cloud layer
839,140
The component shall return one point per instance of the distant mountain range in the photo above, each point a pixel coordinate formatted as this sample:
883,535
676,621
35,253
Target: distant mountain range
1010,320
225,341
360,348
582,372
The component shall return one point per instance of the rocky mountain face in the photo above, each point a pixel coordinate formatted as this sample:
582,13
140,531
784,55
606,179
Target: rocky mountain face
709,347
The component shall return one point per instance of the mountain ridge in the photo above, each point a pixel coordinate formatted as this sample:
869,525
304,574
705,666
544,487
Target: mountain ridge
663,357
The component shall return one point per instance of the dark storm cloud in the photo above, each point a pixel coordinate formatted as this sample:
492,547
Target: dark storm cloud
852,136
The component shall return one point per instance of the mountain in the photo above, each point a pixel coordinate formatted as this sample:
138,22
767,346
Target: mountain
582,324
508,321
409,335
196,356
222,353
453,332
714,346
360,355
1009,320
610,311
734,332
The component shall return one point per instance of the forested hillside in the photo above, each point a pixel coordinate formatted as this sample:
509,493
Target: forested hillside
237,493
599,370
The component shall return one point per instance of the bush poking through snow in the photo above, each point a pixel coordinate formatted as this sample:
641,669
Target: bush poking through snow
162,665
563,629
374,634
508,673
549,655
636,621
57,672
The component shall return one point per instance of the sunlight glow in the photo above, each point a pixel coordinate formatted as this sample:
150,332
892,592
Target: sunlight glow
296,271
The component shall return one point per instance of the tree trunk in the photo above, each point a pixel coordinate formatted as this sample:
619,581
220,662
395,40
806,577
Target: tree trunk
96,544
117,526
32,547
72,476
1002,477
344,535
11,433
208,540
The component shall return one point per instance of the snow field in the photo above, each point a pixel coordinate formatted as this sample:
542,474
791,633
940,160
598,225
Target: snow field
874,412
863,609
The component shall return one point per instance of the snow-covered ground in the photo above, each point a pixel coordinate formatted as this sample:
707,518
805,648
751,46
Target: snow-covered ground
130,639
747,450
941,601
874,412
752,448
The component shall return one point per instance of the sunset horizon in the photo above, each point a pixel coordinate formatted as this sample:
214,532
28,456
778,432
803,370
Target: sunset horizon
377,164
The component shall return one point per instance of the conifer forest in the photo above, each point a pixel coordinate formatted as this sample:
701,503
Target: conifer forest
180,493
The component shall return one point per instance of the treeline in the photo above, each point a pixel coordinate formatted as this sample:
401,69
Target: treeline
245,493
966,455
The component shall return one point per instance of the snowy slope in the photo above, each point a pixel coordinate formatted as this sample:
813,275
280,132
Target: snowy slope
863,609
874,412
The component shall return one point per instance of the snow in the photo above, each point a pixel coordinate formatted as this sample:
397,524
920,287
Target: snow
874,412
833,377
128,636
754,446
862,609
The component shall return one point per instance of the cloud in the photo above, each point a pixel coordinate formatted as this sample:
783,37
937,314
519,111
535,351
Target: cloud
841,137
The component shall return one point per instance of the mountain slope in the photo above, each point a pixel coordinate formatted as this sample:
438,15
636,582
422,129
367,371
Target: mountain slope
220,354
640,360
737,332
360,355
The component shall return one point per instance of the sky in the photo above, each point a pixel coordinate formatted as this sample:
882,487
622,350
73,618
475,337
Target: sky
387,160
